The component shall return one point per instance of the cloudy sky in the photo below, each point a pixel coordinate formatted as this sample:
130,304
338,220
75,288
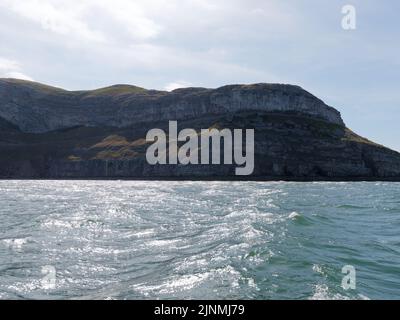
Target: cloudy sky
165,44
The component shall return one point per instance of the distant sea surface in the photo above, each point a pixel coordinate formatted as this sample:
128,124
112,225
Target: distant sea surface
198,240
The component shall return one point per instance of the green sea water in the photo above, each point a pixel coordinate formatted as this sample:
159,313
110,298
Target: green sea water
198,240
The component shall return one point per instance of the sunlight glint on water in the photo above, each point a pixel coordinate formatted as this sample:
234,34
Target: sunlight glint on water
205,240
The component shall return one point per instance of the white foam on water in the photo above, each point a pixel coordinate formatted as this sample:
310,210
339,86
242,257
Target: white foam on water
142,234
163,243
318,269
321,292
188,282
185,282
53,223
294,215
15,244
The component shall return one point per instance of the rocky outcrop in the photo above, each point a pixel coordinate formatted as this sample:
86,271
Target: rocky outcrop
38,108
47,132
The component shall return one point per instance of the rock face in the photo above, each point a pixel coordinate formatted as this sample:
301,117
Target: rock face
46,132
37,108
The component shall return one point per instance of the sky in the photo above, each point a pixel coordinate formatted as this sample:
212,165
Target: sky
167,44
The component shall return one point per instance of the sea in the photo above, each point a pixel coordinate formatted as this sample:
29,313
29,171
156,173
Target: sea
199,240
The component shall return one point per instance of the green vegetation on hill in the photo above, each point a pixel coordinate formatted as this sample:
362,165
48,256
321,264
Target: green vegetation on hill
119,89
115,90
34,85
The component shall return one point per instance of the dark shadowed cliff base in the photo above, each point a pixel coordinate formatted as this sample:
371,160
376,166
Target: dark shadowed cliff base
50,133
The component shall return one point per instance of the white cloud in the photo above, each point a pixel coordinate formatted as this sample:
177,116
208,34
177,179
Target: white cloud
80,19
55,16
131,16
172,38
12,69
6,64
176,85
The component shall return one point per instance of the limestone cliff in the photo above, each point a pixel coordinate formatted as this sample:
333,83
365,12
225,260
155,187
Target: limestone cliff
38,108
46,132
